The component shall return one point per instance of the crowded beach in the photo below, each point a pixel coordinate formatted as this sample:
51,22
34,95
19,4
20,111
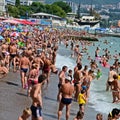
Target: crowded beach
30,51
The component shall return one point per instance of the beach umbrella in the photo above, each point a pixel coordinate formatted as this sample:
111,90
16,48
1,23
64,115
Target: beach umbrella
1,37
13,28
11,21
25,22
14,34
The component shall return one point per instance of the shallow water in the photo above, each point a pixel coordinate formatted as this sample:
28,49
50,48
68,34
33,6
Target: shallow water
100,99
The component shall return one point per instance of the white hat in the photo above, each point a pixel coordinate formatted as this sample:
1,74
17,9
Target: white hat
68,78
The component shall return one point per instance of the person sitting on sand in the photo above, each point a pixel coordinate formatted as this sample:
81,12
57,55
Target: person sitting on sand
25,115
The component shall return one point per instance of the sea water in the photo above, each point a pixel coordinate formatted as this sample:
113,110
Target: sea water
100,99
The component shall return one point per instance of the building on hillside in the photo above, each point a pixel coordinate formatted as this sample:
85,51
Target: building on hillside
118,5
10,2
73,6
29,2
2,6
24,2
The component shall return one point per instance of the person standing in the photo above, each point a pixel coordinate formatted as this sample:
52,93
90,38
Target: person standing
115,89
61,76
82,101
24,67
36,97
110,78
66,91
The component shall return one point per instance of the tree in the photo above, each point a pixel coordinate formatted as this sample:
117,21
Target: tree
24,10
17,2
13,11
63,5
37,7
48,9
56,10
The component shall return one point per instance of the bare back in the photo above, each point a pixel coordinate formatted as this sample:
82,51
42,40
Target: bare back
67,90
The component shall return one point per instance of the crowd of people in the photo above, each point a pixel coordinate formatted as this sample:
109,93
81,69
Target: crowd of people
34,55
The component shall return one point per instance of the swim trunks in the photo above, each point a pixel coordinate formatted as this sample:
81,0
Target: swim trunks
24,70
36,111
59,85
75,84
12,55
66,101
84,87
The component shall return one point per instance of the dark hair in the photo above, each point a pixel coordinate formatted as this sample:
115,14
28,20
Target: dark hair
111,67
80,115
83,91
69,70
64,67
115,76
115,111
79,66
41,78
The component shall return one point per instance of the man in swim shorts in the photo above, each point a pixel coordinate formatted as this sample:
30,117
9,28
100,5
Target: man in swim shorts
24,67
36,97
66,91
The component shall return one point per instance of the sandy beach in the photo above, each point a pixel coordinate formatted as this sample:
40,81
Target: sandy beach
14,99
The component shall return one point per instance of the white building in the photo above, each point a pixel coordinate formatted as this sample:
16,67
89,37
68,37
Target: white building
118,5
29,2
73,6
24,2
2,6
10,2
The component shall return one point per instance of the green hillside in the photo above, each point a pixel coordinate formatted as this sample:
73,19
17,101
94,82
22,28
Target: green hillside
88,1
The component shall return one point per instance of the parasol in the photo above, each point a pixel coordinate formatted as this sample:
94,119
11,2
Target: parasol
1,38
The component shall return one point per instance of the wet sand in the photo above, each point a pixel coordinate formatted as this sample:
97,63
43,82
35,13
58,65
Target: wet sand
13,99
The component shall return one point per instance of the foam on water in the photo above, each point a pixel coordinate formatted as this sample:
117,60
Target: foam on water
100,99
64,60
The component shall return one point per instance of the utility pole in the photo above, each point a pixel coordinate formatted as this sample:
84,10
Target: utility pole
78,12
91,9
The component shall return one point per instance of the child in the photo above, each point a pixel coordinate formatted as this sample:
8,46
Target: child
99,116
119,76
79,116
70,73
26,114
99,74
82,100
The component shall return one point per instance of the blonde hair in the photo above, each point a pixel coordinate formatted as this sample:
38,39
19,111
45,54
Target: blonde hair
27,111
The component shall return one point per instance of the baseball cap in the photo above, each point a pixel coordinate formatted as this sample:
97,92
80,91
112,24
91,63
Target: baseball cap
68,78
